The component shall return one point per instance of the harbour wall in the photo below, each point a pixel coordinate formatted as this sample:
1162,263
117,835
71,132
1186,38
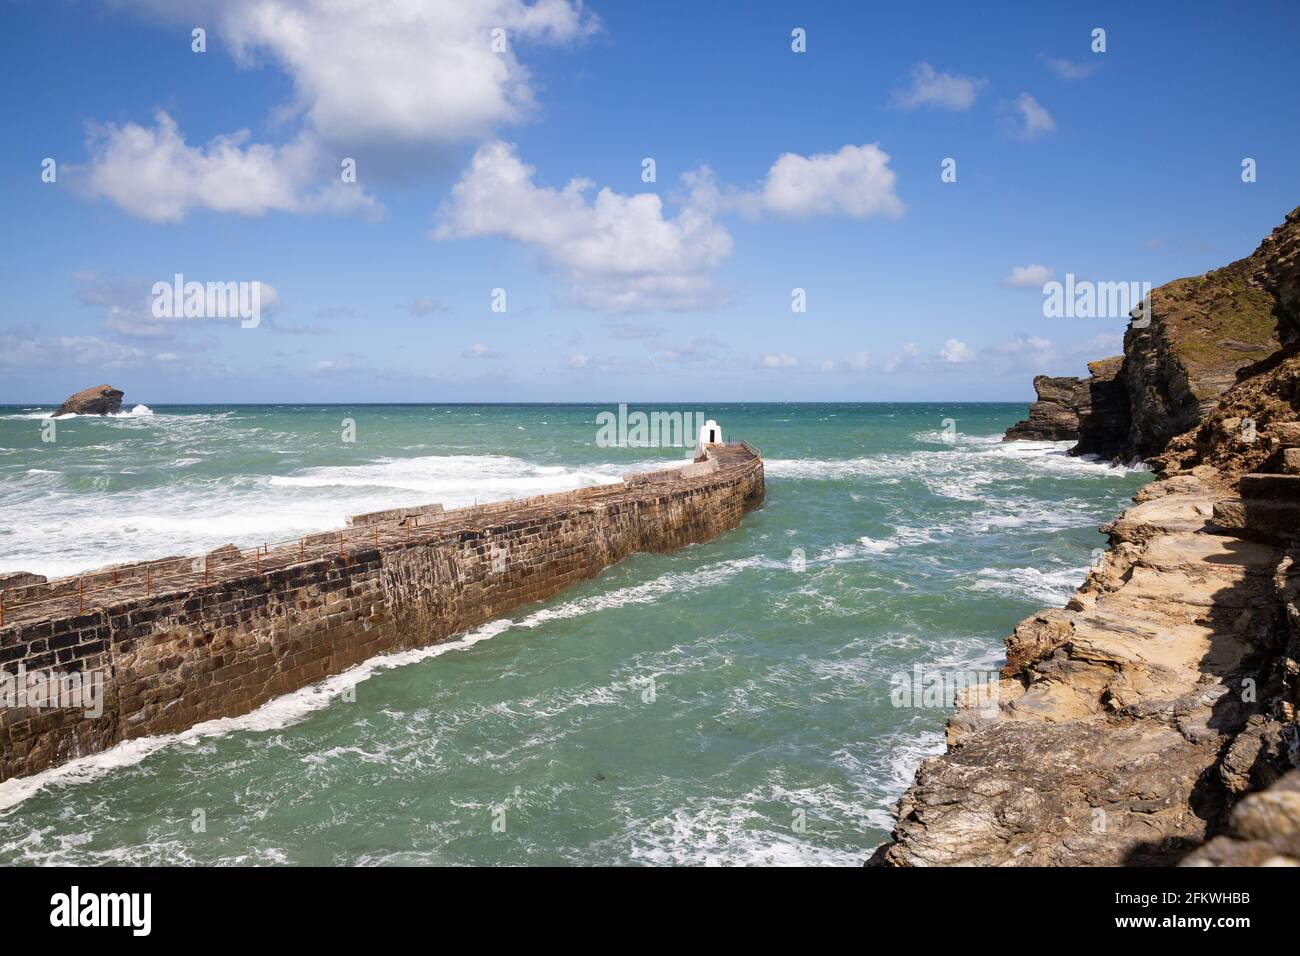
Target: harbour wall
185,640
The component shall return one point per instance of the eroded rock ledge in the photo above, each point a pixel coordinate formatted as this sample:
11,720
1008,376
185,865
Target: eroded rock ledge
1055,416
1130,720
1153,720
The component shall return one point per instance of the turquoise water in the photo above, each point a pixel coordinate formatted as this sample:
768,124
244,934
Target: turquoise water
727,703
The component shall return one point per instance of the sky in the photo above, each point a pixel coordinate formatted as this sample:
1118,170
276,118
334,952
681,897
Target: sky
614,201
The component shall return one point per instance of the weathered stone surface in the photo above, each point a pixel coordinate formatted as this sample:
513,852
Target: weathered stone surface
20,579
1205,334
1104,425
1257,421
394,514
98,400
183,640
1203,331
1264,830
1115,714
1278,271
1055,415
1158,709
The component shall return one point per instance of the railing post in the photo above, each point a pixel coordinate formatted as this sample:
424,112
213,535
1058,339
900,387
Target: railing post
148,581
2,609
81,595
205,570
302,549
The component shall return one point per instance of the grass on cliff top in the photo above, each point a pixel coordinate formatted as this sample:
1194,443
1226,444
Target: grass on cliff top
1203,313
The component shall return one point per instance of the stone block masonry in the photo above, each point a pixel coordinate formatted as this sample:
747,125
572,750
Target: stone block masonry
184,640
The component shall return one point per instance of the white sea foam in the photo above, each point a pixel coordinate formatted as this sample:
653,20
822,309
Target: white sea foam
957,469
61,530
456,480
877,547
138,411
1052,587
749,829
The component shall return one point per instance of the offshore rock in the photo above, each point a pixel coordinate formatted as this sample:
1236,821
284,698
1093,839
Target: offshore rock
98,400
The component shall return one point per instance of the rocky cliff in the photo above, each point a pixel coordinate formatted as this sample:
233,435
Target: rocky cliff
1104,428
1153,720
1201,335
1055,416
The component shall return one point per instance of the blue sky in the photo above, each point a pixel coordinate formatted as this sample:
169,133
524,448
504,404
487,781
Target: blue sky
224,166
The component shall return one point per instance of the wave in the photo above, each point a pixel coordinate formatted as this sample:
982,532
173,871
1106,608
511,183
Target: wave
139,411
66,531
1053,587
458,480
291,708
958,471
955,438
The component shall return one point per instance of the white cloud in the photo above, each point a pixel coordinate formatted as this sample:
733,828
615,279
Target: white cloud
907,358
578,361
955,352
402,75
20,353
1031,276
1023,344
1067,69
424,306
480,351
1021,353
619,253
855,182
857,361
128,306
399,71
929,88
780,360
1032,118
151,173
1101,345
697,352
622,253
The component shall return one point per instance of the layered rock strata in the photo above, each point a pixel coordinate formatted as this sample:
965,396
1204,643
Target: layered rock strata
1128,721
1055,415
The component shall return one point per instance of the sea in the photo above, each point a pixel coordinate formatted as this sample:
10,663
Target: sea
734,702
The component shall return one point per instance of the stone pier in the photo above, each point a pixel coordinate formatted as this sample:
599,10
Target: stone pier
184,640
